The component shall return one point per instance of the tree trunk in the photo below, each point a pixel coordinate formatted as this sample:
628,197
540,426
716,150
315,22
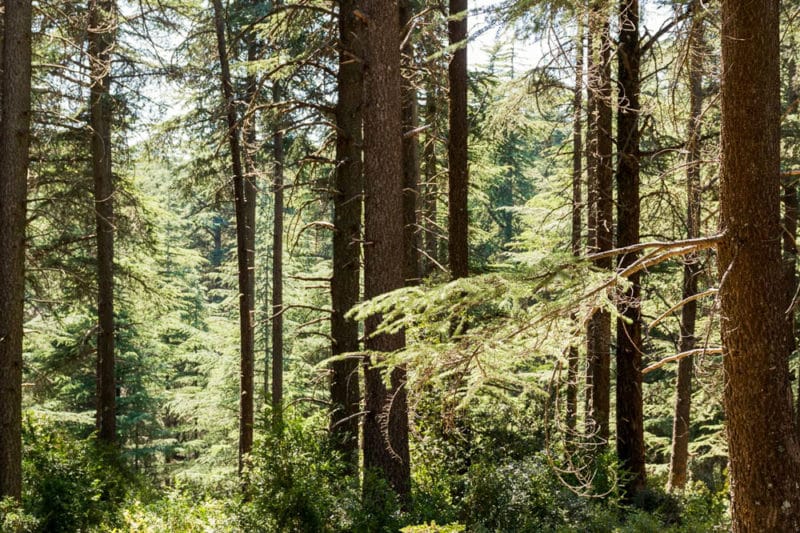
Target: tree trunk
764,455
577,207
14,159
102,29
347,208
411,167
630,430
277,269
385,440
431,196
691,270
247,355
600,211
458,157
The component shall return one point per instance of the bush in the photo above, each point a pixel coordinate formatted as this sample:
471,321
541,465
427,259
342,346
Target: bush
70,484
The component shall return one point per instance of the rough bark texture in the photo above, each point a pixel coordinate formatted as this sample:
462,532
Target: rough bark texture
411,168
347,208
458,244
277,268
764,456
101,33
242,238
630,430
14,158
600,212
385,440
679,457
577,213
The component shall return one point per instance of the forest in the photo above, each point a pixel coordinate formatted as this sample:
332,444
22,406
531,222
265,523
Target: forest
399,266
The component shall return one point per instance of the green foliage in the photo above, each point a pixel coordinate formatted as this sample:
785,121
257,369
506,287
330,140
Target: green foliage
14,519
70,484
296,482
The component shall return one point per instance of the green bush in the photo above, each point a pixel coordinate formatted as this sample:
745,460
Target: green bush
70,484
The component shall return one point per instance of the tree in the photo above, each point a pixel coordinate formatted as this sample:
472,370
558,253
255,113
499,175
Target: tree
411,162
764,453
630,430
347,208
14,160
101,32
679,457
385,441
246,340
457,147
599,210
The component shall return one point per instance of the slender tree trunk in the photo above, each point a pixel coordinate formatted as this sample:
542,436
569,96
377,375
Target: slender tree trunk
764,455
347,209
431,196
14,159
600,211
277,269
630,430
385,440
679,458
411,167
577,213
102,29
242,241
458,157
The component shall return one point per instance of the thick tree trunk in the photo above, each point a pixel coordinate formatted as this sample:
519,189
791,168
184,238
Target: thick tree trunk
347,208
457,148
577,213
242,240
764,455
277,269
102,29
385,440
679,458
14,159
600,212
630,430
411,167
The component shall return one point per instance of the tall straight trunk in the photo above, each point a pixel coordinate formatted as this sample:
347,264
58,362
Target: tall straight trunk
347,210
102,29
277,268
630,430
431,196
457,148
764,456
14,158
247,354
600,211
577,213
385,439
250,189
411,167
679,458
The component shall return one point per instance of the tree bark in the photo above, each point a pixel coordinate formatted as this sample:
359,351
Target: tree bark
277,268
14,159
385,440
764,455
630,430
600,211
347,208
679,458
101,34
457,148
431,196
247,354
